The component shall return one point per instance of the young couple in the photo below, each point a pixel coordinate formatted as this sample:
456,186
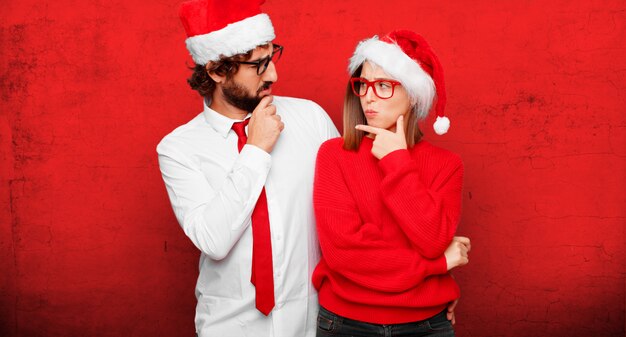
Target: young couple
260,183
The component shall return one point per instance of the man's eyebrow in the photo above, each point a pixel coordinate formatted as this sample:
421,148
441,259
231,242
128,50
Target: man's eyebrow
264,57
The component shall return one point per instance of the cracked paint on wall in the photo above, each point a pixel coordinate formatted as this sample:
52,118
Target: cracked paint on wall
89,245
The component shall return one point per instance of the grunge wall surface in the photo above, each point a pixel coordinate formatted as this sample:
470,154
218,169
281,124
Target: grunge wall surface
536,93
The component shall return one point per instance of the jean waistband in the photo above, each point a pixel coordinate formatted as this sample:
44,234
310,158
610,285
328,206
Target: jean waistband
438,318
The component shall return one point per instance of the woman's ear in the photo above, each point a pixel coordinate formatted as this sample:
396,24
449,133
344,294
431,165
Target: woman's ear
214,76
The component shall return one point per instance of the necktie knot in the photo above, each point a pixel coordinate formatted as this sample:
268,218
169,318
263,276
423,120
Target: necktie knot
240,130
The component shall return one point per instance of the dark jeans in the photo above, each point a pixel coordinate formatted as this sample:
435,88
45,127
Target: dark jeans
330,324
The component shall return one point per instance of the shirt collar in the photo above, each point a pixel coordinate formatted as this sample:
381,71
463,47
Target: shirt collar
220,123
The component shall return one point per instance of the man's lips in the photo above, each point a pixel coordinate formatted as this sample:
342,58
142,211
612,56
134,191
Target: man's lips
265,91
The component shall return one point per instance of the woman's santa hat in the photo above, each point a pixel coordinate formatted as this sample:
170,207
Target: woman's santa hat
218,28
407,57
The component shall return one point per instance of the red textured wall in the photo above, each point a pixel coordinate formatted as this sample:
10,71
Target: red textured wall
536,93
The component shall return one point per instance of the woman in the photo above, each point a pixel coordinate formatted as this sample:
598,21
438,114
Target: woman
388,203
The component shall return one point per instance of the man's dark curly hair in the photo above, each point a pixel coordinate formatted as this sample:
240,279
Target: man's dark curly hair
225,66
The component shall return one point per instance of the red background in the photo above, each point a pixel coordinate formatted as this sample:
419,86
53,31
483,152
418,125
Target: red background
536,92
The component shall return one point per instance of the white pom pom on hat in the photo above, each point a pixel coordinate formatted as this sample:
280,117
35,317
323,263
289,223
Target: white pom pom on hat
407,57
442,125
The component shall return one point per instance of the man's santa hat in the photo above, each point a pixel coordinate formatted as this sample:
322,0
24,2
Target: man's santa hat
218,28
407,57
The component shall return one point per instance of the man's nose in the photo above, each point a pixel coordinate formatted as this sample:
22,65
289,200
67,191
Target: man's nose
270,74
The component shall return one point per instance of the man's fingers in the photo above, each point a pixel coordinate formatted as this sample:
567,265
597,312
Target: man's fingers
464,240
450,313
281,125
452,305
270,110
369,129
265,102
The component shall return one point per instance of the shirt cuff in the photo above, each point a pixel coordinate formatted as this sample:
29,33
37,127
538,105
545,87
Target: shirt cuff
394,160
255,158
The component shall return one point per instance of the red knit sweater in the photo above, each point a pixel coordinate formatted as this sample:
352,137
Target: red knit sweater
383,227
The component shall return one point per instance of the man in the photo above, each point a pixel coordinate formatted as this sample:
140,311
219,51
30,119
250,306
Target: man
243,195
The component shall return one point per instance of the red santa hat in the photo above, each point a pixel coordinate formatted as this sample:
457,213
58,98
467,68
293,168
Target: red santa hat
407,57
217,28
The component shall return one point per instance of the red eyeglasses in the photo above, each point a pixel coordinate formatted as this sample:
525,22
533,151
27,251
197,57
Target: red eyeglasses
382,88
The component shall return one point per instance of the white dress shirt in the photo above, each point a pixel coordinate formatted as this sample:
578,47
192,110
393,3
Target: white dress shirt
213,190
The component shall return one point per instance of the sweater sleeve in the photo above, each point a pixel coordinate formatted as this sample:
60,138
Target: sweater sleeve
427,211
356,249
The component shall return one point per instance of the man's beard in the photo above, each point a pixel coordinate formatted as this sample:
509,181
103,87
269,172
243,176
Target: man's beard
237,96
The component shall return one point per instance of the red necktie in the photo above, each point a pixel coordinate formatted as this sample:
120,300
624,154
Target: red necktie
262,268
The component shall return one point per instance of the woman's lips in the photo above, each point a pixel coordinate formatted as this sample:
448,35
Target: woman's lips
370,113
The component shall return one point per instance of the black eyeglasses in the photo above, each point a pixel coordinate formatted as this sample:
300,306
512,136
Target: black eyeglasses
262,64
